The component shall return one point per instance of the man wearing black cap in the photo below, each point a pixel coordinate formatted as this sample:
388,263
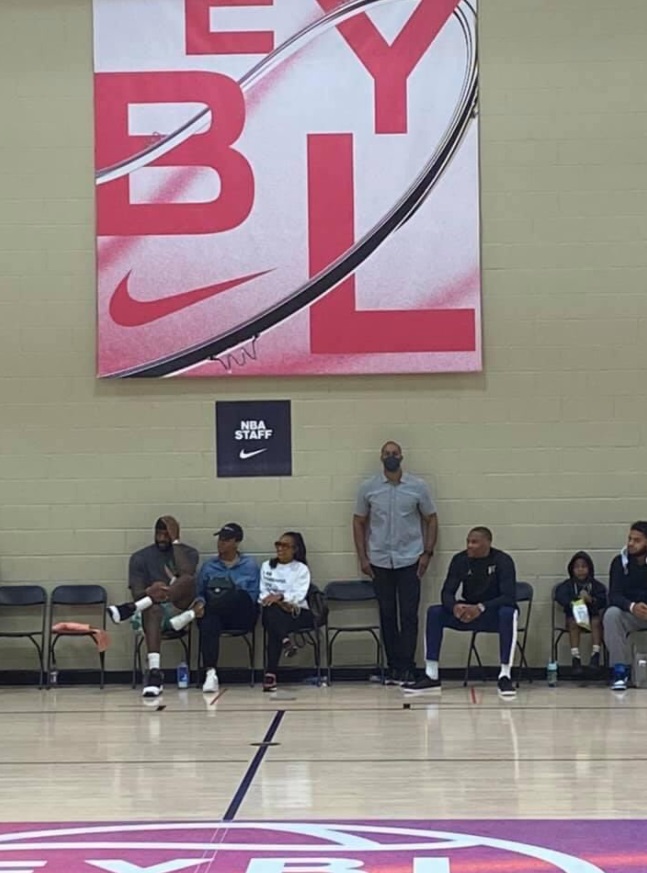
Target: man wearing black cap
161,578
228,588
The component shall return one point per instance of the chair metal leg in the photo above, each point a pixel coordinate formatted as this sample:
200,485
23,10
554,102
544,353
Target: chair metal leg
137,659
48,683
480,663
198,670
252,658
328,654
102,675
250,655
523,661
41,658
469,661
317,653
51,658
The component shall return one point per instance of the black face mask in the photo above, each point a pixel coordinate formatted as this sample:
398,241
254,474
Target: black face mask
392,463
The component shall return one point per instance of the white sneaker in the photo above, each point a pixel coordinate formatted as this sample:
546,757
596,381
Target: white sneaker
211,683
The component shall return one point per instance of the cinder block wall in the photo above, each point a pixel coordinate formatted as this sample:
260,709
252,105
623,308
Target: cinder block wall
548,446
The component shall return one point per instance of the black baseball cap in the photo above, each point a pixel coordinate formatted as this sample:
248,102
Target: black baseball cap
230,531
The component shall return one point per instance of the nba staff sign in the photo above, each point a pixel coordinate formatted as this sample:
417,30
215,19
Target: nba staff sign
253,438
286,187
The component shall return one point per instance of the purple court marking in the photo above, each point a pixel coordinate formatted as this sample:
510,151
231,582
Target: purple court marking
520,846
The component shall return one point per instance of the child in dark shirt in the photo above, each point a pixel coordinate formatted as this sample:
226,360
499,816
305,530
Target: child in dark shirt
582,585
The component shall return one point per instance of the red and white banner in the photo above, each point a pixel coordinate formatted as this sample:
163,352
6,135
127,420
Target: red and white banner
287,187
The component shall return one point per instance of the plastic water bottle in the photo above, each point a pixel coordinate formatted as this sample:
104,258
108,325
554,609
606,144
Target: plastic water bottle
640,674
551,673
182,675
53,677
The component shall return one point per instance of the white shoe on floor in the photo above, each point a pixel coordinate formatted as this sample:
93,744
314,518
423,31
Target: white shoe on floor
211,684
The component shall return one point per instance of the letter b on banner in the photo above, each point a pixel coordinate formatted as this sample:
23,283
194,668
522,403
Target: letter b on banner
115,94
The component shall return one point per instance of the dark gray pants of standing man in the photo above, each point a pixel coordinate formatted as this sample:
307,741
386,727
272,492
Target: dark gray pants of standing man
398,596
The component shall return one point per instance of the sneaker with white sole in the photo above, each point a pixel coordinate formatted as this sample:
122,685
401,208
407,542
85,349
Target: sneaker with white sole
422,686
506,687
620,678
211,684
121,612
196,610
154,683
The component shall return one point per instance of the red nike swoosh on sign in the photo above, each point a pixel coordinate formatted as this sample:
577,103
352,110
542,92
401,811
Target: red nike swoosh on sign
128,312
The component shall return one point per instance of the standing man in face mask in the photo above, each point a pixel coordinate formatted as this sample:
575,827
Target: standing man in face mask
395,527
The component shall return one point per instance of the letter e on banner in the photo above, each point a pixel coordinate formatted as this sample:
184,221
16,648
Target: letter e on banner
201,40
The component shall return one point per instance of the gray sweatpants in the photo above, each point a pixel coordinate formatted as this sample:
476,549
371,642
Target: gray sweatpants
618,624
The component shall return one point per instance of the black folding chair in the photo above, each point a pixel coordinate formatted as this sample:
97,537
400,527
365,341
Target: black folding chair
524,594
351,593
76,596
27,597
559,628
310,637
183,637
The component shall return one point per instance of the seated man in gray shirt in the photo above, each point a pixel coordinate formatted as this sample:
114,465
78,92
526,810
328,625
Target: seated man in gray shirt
161,578
395,527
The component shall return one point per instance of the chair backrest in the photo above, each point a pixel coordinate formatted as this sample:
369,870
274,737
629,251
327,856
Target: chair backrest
22,595
524,592
79,595
349,591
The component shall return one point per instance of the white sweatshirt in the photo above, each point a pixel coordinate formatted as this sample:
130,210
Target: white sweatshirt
291,580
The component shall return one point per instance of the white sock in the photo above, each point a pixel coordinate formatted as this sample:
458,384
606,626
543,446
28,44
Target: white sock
144,603
596,650
153,660
575,652
431,669
505,671
180,621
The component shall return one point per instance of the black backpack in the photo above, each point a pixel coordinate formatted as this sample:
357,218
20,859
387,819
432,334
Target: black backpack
317,605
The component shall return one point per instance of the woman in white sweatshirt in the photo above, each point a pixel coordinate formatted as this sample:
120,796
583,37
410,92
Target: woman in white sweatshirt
285,581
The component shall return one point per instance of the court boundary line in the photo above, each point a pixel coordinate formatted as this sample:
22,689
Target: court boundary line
252,770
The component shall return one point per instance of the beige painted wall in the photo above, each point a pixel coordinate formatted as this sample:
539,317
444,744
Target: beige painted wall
547,446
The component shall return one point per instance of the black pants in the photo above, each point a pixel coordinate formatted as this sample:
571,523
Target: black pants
398,591
234,610
279,624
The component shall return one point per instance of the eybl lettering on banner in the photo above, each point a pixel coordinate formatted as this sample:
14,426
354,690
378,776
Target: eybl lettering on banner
287,187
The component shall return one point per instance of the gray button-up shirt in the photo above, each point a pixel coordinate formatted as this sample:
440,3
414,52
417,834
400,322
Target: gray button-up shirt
393,510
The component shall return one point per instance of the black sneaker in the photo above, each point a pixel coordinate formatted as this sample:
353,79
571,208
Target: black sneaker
407,677
506,687
422,686
154,684
392,677
577,670
595,661
121,612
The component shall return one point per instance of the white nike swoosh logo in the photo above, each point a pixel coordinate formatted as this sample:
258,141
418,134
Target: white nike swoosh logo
244,455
